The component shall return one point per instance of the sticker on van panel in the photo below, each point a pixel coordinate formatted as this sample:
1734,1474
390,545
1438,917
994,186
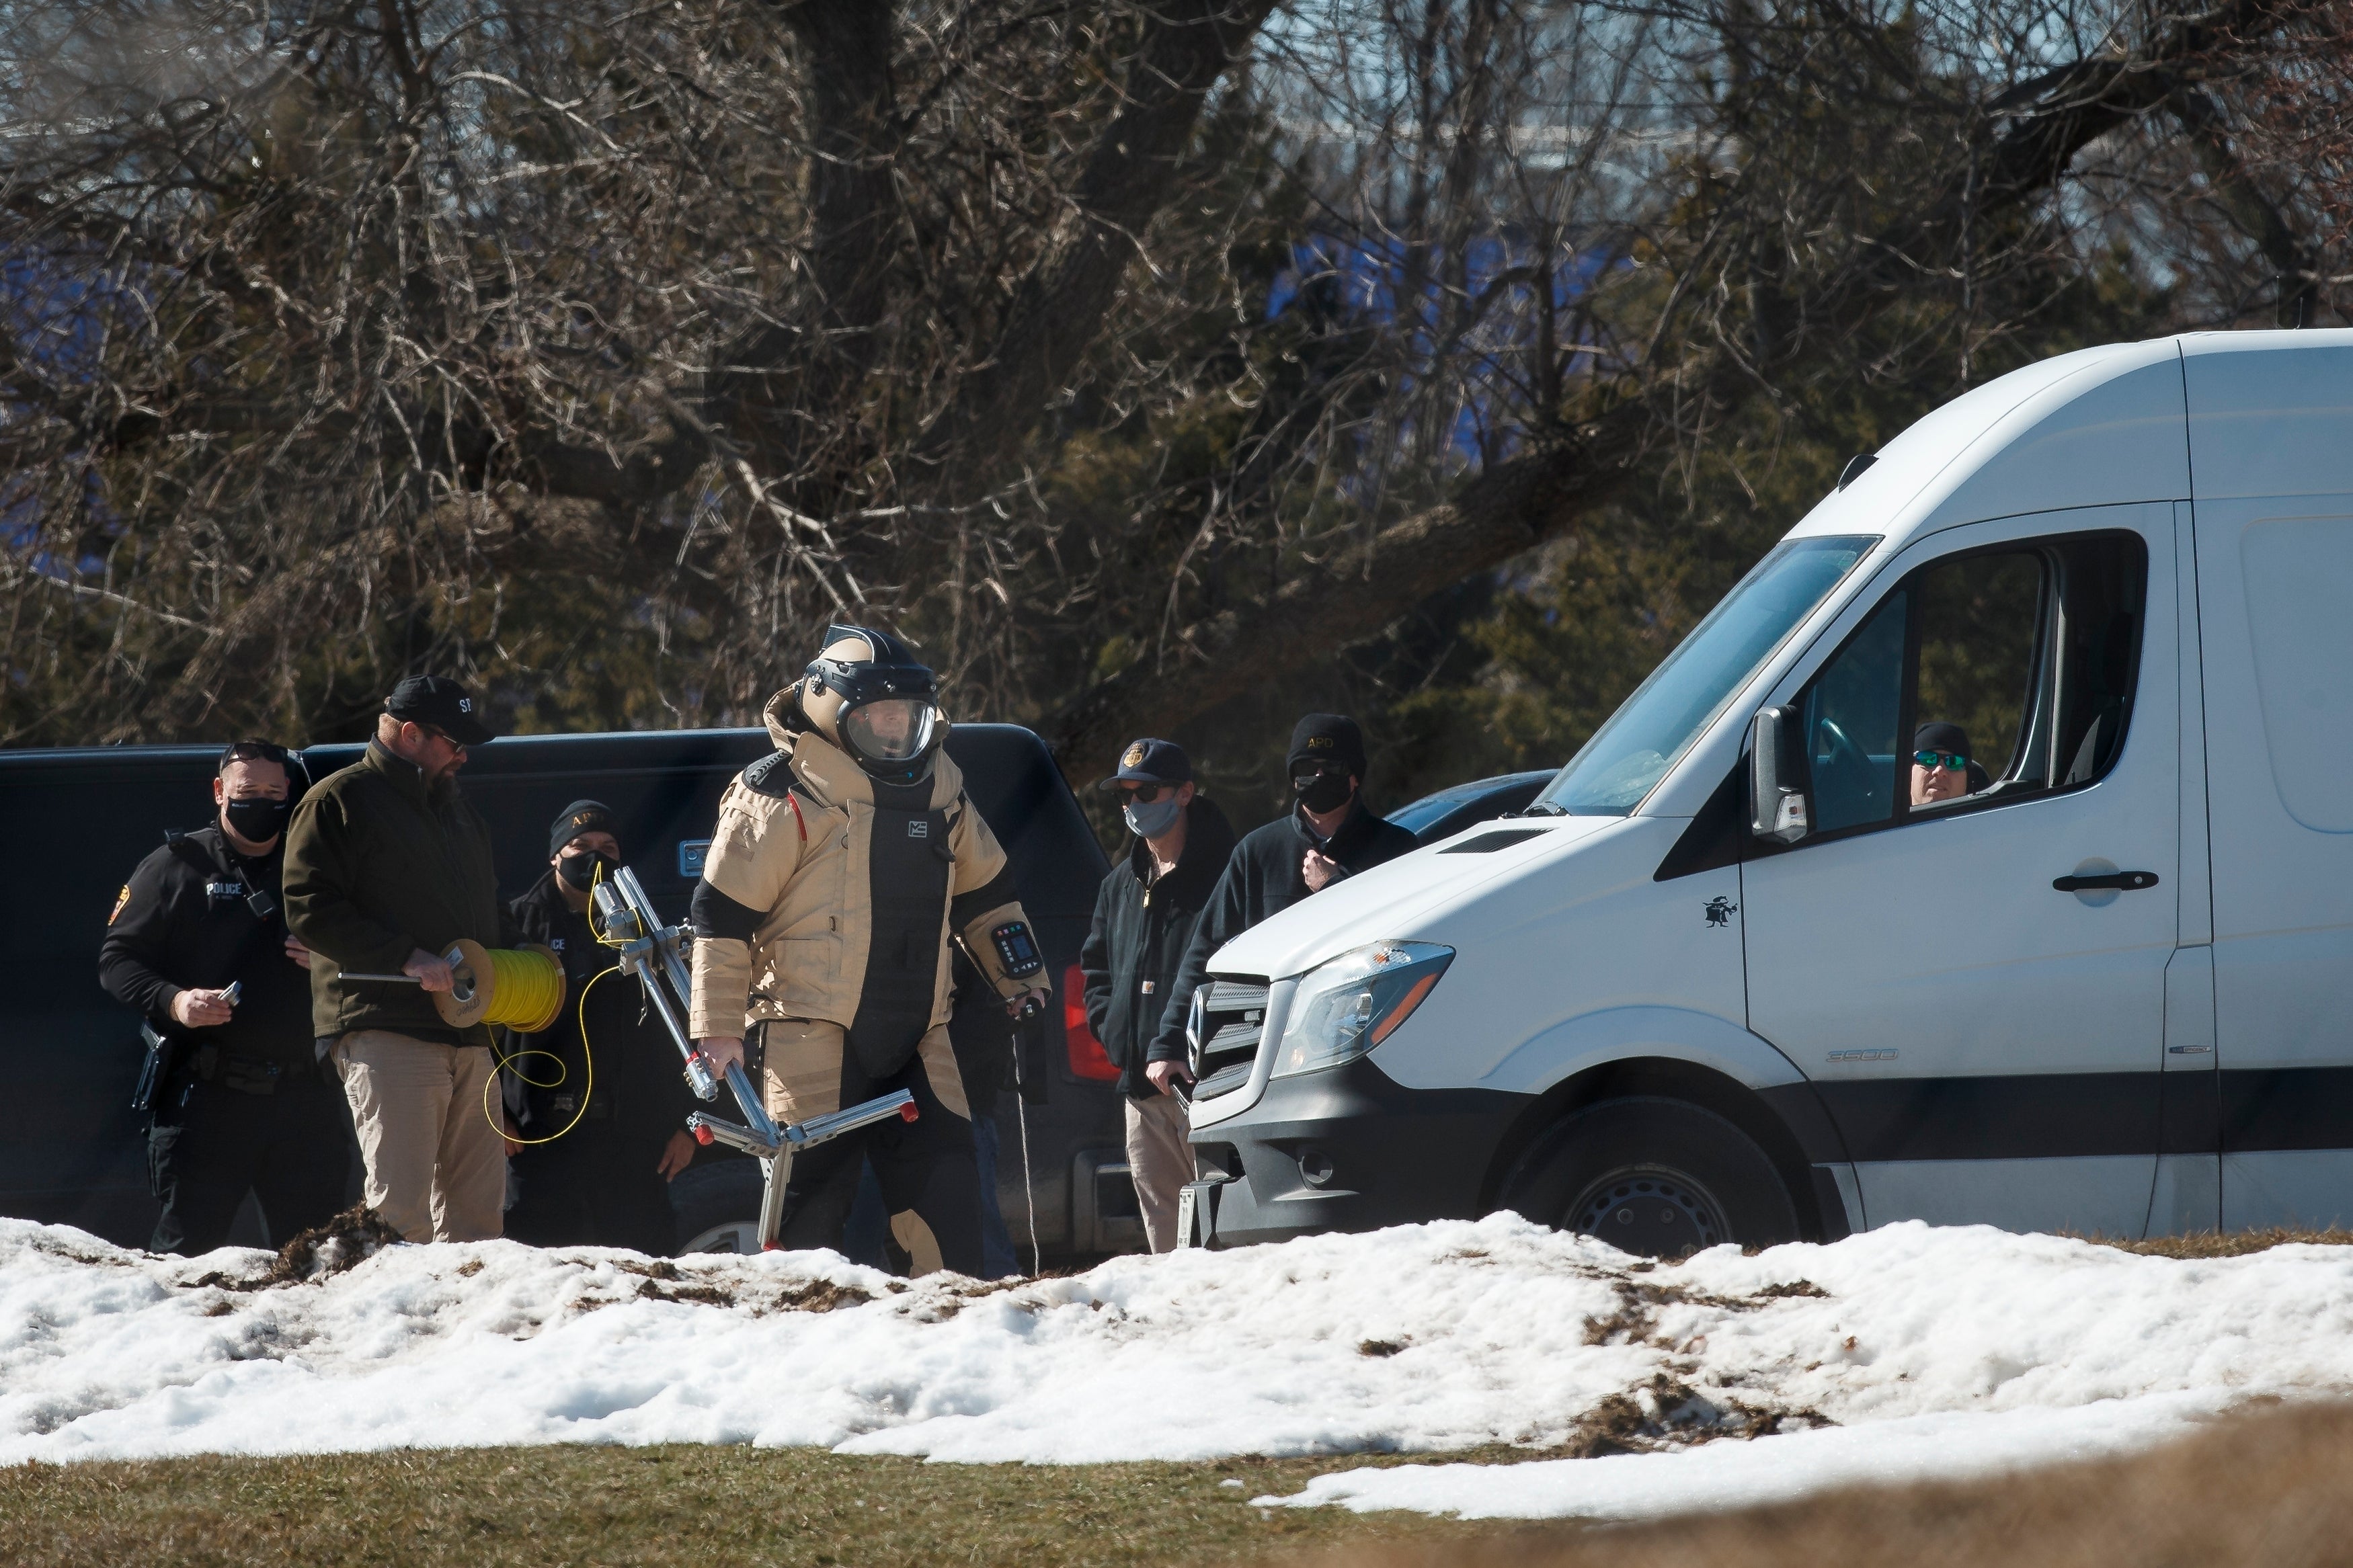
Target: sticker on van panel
690,852
1883,1055
1719,912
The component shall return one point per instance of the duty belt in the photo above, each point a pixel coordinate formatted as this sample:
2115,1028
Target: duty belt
246,1075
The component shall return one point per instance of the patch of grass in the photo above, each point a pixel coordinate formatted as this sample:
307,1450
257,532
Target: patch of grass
2265,1490
676,1504
2212,1244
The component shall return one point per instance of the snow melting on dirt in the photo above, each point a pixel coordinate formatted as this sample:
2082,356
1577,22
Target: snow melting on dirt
1908,1350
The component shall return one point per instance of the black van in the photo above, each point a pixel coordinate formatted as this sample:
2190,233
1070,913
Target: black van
72,1150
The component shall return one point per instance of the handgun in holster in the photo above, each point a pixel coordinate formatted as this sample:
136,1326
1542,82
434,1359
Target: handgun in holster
154,1069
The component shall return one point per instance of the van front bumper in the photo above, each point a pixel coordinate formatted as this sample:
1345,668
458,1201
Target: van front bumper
1348,1149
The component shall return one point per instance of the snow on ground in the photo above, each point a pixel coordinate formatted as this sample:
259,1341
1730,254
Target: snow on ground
1905,1352
1727,1474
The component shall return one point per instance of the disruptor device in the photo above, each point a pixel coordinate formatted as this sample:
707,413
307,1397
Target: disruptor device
657,955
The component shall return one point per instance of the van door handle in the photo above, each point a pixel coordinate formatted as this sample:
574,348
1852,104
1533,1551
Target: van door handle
2124,881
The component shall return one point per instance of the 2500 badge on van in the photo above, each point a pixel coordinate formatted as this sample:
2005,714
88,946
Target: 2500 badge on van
1986,856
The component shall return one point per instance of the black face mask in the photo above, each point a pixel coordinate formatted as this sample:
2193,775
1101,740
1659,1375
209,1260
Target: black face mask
580,871
256,819
1323,792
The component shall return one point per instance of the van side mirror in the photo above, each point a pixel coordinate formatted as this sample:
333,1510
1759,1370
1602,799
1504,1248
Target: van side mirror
1775,810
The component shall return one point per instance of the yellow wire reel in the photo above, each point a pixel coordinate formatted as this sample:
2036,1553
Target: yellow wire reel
520,987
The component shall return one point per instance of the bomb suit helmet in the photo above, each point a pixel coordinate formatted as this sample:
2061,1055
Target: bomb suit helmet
866,693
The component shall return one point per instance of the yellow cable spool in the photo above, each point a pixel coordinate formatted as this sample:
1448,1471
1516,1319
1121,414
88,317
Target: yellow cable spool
521,988
519,983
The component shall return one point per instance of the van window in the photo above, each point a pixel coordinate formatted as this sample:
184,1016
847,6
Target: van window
1980,630
1851,714
2015,664
1614,770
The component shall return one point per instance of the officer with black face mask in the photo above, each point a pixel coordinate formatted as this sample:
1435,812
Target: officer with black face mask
597,1132
1329,835
199,946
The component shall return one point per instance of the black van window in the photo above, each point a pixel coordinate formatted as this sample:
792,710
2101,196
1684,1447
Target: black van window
1981,678
1980,624
1850,716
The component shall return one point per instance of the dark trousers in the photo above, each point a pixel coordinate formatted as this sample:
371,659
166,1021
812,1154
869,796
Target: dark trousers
210,1144
595,1186
926,1166
866,1237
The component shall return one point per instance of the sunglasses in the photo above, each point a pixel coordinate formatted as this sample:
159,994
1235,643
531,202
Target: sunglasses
1145,794
455,744
1951,760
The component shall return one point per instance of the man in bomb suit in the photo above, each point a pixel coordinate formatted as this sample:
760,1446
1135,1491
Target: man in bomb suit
840,868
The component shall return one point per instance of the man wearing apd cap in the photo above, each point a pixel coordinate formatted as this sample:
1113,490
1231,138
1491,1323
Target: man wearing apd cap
1144,919
1329,835
387,865
840,868
601,1121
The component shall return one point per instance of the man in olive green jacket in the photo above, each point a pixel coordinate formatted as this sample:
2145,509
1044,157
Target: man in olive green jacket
386,865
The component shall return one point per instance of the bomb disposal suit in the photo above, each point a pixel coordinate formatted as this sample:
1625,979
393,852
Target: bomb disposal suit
839,869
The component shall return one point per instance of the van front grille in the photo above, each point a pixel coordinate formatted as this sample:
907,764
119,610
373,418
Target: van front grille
1231,1016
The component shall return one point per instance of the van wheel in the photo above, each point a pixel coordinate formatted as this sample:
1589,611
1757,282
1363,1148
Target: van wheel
1655,1178
733,1236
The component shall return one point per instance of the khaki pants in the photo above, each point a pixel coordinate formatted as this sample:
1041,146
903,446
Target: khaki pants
802,1065
1159,1162
437,1169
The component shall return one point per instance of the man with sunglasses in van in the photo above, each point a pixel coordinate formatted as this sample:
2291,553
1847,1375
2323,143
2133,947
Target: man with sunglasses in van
1941,766
198,944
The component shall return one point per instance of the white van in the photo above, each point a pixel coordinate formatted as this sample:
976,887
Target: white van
1736,975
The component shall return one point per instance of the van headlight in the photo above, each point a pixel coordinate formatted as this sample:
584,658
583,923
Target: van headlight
1346,1006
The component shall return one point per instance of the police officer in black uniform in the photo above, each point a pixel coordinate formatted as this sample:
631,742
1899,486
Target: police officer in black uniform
600,1133
198,944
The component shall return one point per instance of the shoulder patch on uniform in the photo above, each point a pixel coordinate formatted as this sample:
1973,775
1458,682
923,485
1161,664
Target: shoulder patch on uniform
772,774
120,898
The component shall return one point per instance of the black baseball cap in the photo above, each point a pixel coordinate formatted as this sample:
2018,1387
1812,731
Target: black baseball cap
581,816
441,703
1151,762
1327,738
1940,736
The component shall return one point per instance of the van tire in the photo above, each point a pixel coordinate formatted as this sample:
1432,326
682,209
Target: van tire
715,1205
1653,1176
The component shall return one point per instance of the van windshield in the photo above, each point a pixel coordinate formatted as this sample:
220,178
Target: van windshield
1614,770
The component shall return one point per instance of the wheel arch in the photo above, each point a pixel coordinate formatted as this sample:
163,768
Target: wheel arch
1820,1215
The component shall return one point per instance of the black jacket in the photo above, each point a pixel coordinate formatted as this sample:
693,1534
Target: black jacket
640,1083
185,921
1263,879
1137,943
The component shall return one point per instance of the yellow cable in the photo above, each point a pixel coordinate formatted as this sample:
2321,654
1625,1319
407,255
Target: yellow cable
587,1065
526,990
507,976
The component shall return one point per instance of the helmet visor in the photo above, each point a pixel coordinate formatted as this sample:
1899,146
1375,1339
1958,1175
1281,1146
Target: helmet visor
889,729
